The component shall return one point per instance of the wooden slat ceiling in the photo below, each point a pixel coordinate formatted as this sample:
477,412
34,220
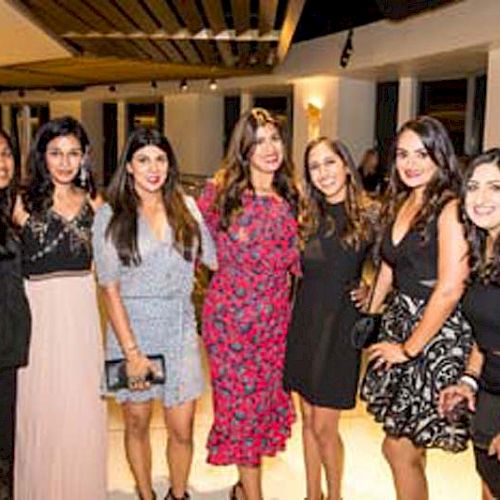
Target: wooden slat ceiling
130,40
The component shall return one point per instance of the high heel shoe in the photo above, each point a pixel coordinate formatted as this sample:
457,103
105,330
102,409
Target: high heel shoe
170,496
233,493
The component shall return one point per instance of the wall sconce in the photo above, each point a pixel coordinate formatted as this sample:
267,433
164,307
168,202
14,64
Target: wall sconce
212,84
313,121
183,85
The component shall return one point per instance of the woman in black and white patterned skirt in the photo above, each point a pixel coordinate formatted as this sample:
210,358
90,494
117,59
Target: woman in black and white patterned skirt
424,339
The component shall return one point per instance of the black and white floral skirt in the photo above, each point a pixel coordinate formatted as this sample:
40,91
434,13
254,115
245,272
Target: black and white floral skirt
404,398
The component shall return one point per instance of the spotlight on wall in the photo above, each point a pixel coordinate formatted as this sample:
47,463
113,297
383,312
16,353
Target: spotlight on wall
212,84
154,84
183,85
347,50
112,88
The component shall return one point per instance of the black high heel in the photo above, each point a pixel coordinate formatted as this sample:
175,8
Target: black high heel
170,496
233,495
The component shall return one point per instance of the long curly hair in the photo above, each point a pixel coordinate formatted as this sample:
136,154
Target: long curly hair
359,227
233,178
8,197
444,185
38,197
482,268
122,196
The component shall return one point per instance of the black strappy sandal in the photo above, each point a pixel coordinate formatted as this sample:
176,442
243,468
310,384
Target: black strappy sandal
170,496
233,494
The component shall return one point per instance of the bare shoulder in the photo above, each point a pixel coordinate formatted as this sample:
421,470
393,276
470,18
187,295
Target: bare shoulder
450,212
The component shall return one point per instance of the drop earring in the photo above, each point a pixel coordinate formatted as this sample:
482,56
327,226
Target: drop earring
83,175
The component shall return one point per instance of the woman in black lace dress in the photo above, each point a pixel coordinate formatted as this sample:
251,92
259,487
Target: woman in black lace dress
14,314
61,427
321,364
424,339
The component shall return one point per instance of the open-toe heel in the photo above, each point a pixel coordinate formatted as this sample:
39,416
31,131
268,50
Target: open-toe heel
170,496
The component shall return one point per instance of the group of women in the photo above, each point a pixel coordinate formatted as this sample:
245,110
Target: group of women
287,254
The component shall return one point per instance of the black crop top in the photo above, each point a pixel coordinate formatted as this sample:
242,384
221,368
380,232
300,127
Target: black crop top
481,305
414,261
53,244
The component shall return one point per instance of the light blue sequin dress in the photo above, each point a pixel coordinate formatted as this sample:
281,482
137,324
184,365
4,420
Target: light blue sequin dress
157,297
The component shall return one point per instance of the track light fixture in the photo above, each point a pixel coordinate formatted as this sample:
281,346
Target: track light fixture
347,50
183,85
112,88
21,93
154,84
212,84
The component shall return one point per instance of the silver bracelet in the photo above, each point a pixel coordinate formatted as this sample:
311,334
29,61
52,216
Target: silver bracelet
470,382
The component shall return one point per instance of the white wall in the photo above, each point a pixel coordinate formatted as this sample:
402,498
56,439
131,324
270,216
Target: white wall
347,112
492,118
194,125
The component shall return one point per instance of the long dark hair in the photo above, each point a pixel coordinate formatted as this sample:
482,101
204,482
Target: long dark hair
358,227
233,178
40,188
122,228
445,183
482,268
8,198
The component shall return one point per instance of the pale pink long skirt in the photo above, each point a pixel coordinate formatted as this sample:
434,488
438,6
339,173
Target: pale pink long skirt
61,418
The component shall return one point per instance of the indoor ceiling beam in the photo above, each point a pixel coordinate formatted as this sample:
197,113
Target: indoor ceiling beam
292,16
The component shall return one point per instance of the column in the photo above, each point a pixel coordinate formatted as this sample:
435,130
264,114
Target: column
407,99
492,117
194,125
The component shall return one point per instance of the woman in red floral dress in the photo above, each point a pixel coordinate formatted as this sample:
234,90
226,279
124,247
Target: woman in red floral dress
252,209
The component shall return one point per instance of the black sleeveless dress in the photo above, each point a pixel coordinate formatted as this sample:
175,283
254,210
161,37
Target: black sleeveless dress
321,364
404,397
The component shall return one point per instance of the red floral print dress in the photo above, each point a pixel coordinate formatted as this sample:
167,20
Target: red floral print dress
245,319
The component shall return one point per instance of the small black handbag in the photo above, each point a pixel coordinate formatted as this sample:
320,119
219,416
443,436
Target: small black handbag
365,331
116,372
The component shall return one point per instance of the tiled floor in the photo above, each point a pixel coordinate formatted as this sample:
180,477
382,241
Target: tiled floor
367,477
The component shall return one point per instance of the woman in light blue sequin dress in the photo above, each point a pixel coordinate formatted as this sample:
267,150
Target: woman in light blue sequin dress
146,241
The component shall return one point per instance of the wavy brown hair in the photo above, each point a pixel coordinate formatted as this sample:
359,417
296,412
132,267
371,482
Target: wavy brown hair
482,268
444,185
233,178
122,228
359,227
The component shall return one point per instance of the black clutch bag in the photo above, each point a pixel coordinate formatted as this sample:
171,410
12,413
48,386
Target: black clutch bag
365,331
116,372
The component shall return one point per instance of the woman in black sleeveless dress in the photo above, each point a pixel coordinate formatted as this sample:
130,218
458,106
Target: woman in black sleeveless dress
14,314
480,385
424,339
321,364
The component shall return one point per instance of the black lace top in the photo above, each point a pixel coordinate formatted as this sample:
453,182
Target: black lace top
52,243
